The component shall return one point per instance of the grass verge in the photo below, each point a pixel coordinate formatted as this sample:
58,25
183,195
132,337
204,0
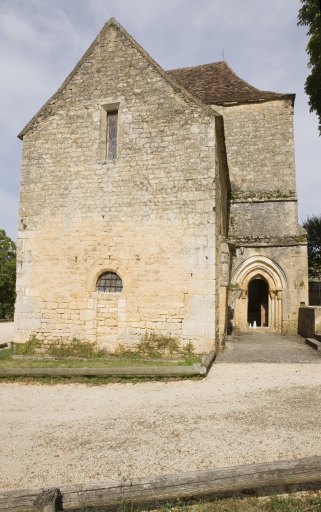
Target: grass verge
93,381
287,503
7,360
79,355
153,351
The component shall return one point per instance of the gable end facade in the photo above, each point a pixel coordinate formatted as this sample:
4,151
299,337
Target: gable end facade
147,215
157,202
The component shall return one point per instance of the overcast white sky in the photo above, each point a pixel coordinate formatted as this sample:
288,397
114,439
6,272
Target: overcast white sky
42,40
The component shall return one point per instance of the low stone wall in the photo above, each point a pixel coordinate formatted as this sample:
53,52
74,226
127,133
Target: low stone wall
309,321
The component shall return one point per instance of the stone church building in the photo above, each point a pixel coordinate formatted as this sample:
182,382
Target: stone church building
157,201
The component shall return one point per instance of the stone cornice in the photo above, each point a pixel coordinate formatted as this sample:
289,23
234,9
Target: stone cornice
266,241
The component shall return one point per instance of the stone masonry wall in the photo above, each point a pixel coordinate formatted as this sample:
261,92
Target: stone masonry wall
263,212
221,219
260,148
148,215
264,219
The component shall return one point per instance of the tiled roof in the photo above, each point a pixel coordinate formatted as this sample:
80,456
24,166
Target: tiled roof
217,83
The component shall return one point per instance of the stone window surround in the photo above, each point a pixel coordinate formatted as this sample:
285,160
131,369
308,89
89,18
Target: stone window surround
105,108
97,294
109,282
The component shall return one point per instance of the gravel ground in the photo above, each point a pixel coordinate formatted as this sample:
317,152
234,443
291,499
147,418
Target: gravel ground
239,414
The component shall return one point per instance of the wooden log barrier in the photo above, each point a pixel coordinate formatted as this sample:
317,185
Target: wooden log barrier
47,501
41,500
138,371
174,371
143,491
208,360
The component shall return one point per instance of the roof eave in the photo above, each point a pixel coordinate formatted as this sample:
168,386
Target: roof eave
259,100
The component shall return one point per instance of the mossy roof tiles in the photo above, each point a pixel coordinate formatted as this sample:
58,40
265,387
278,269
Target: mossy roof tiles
217,83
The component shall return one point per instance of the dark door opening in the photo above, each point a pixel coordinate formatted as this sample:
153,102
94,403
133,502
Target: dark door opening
258,302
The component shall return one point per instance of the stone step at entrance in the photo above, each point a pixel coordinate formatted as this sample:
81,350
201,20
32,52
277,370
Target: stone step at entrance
314,343
267,347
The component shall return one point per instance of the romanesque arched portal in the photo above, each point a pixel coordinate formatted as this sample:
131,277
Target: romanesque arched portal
256,289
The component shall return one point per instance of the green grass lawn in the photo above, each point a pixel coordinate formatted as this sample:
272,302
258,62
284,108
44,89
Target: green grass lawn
288,503
7,360
34,354
160,351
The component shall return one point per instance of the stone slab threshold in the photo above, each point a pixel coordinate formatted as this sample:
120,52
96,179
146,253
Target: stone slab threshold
314,342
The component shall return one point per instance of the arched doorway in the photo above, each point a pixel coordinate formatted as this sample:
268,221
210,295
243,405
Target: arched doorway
258,302
256,294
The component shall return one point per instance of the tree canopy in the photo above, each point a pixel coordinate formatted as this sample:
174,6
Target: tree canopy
313,227
7,275
310,16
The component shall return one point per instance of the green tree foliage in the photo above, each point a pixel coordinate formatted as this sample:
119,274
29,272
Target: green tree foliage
313,227
7,275
310,16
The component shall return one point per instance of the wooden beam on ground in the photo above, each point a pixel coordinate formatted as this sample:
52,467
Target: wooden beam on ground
139,371
208,360
142,491
47,501
200,483
41,500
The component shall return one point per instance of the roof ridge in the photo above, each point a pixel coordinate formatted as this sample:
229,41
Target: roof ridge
197,66
250,85
230,69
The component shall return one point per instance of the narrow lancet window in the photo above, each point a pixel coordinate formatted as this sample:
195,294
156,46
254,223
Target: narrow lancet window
112,122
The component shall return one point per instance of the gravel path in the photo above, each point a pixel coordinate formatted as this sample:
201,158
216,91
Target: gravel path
239,414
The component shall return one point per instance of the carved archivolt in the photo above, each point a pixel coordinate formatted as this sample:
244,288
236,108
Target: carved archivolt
260,266
263,268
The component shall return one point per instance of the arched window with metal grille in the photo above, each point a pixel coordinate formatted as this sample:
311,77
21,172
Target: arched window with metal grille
109,282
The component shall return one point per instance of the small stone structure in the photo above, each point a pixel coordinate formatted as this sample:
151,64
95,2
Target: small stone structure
309,321
156,201
314,292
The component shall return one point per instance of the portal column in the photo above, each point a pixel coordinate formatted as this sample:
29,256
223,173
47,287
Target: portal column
243,309
279,309
271,311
